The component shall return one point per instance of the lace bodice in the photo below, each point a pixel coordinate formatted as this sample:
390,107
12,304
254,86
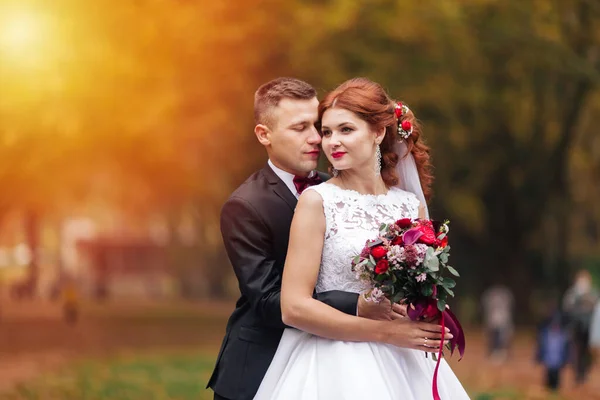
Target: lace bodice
351,219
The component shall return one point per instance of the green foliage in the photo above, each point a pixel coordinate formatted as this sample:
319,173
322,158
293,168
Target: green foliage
154,113
126,378
503,89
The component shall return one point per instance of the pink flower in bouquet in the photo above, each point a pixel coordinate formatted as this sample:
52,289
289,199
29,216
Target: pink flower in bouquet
396,256
421,251
365,252
411,236
411,256
421,277
376,295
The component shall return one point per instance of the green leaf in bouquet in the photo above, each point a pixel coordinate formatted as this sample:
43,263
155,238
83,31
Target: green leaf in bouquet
441,236
380,278
441,305
444,257
375,242
452,270
427,289
449,283
397,297
449,291
356,259
372,260
383,227
431,261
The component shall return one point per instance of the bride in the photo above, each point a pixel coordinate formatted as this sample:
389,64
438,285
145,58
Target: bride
381,174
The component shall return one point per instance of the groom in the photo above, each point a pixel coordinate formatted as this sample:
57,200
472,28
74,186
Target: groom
255,224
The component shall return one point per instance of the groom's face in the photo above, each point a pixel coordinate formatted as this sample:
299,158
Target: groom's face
294,140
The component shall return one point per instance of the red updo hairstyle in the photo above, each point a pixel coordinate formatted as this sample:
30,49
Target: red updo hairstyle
371,103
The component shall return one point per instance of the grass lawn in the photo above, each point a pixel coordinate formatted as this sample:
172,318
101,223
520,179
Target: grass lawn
173,376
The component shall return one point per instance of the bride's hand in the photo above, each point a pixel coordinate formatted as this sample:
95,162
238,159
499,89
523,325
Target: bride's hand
383,311
423,336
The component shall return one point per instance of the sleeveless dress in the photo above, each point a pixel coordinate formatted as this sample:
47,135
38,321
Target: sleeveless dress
308,367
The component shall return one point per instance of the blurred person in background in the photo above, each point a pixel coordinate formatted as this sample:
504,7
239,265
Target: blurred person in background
595,330
70,301
579,302
498,304
553,348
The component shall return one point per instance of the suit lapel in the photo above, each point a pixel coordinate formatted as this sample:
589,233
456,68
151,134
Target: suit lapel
280,188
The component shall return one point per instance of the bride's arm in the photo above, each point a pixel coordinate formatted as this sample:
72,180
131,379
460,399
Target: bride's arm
302,311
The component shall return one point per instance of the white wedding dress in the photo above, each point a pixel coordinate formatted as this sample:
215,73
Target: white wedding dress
308,367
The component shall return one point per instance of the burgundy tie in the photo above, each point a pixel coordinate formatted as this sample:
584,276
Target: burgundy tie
302,183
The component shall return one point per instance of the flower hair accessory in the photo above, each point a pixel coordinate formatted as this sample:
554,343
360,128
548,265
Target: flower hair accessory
405,128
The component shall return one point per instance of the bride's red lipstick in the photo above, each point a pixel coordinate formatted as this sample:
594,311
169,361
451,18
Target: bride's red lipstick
338,154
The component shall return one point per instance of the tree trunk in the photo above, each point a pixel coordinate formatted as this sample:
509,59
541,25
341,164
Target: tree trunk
32,235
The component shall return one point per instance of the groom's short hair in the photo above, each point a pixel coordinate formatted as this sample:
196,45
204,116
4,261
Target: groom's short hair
271,93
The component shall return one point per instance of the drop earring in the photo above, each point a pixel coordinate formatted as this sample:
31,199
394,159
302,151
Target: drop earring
378,161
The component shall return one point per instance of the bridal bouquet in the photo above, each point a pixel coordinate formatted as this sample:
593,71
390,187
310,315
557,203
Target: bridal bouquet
408,263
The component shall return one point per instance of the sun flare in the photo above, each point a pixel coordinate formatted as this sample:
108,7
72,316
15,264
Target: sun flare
23,35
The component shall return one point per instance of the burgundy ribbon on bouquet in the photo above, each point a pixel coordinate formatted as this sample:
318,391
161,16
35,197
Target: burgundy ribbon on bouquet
428,308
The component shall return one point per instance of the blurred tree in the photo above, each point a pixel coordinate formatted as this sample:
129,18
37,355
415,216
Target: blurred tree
502,87
146,107
149,110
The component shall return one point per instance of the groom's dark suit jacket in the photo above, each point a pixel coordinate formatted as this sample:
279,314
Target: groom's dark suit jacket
255,224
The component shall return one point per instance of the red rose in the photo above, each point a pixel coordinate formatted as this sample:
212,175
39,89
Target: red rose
382,266
397,241
406,125
428,236
398,110
404,223
444,242
378,252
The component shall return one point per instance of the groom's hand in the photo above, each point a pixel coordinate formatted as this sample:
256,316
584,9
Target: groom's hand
383,311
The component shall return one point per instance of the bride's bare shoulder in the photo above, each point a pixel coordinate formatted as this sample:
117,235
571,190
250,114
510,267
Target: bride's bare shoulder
310,200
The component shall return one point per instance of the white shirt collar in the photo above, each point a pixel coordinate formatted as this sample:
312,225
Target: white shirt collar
287,178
